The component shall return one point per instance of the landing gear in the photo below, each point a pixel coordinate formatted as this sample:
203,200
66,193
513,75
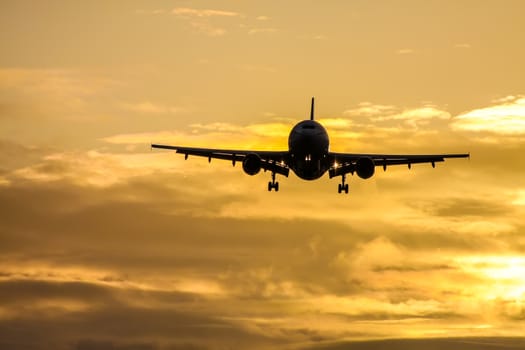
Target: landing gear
342,186
273,184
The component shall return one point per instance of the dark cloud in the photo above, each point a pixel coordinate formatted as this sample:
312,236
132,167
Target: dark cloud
107,345
430,344
413,268
515,240
55,225
14,155
28,291
111,321
67,224
442,238
470,207
32,290
392,316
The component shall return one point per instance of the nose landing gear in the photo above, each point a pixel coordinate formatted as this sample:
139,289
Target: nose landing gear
273,184
342,186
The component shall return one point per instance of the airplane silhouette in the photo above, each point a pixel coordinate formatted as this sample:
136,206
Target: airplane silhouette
309,158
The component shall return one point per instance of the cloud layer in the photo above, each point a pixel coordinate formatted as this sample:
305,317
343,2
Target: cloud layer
112,242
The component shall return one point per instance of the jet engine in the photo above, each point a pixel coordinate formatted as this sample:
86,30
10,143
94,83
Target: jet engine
365,167
251,164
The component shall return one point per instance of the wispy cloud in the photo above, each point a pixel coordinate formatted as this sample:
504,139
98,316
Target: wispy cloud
416,114
202,19
149,107
55,93
205,20
192,12
262,135
506,117
405,51
391,116
208,29
262,30
369,109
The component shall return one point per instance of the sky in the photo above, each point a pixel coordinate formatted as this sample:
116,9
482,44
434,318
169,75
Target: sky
106,244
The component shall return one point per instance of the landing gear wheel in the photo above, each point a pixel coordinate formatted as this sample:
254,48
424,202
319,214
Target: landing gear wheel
273,184
342,186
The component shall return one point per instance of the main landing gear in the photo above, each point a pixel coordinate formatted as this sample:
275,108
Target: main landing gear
342,186
273,184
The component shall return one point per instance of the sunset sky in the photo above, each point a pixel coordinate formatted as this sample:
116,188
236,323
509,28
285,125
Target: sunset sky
106,244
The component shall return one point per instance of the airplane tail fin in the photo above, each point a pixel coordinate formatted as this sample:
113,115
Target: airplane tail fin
312,110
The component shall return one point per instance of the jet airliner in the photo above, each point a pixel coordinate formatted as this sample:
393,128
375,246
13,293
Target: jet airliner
309,157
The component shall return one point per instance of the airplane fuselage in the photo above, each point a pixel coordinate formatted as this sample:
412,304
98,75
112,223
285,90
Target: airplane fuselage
308,150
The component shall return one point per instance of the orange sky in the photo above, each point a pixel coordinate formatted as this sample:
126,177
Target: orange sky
105,244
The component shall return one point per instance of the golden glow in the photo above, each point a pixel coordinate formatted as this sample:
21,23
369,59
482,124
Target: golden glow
519,198
504,276
506,119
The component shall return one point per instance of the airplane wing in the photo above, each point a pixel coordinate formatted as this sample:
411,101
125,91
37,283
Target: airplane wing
275,161
346,161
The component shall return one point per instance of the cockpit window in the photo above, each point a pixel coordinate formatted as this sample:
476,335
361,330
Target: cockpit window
308,126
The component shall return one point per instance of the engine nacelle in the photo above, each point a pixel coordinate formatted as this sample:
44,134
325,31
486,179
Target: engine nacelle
251,164
365,167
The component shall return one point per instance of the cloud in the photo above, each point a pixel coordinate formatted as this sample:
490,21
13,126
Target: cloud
416,114
468,207
105,243
208,29
191,12
505,118
271,135
52,94
519,197
91,168
201,19
324,275
110,345
336,123
369,109
405,51
261,30
148,107
204,21
472,343
388,120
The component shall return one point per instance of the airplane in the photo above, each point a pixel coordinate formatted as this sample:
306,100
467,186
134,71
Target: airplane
308,156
